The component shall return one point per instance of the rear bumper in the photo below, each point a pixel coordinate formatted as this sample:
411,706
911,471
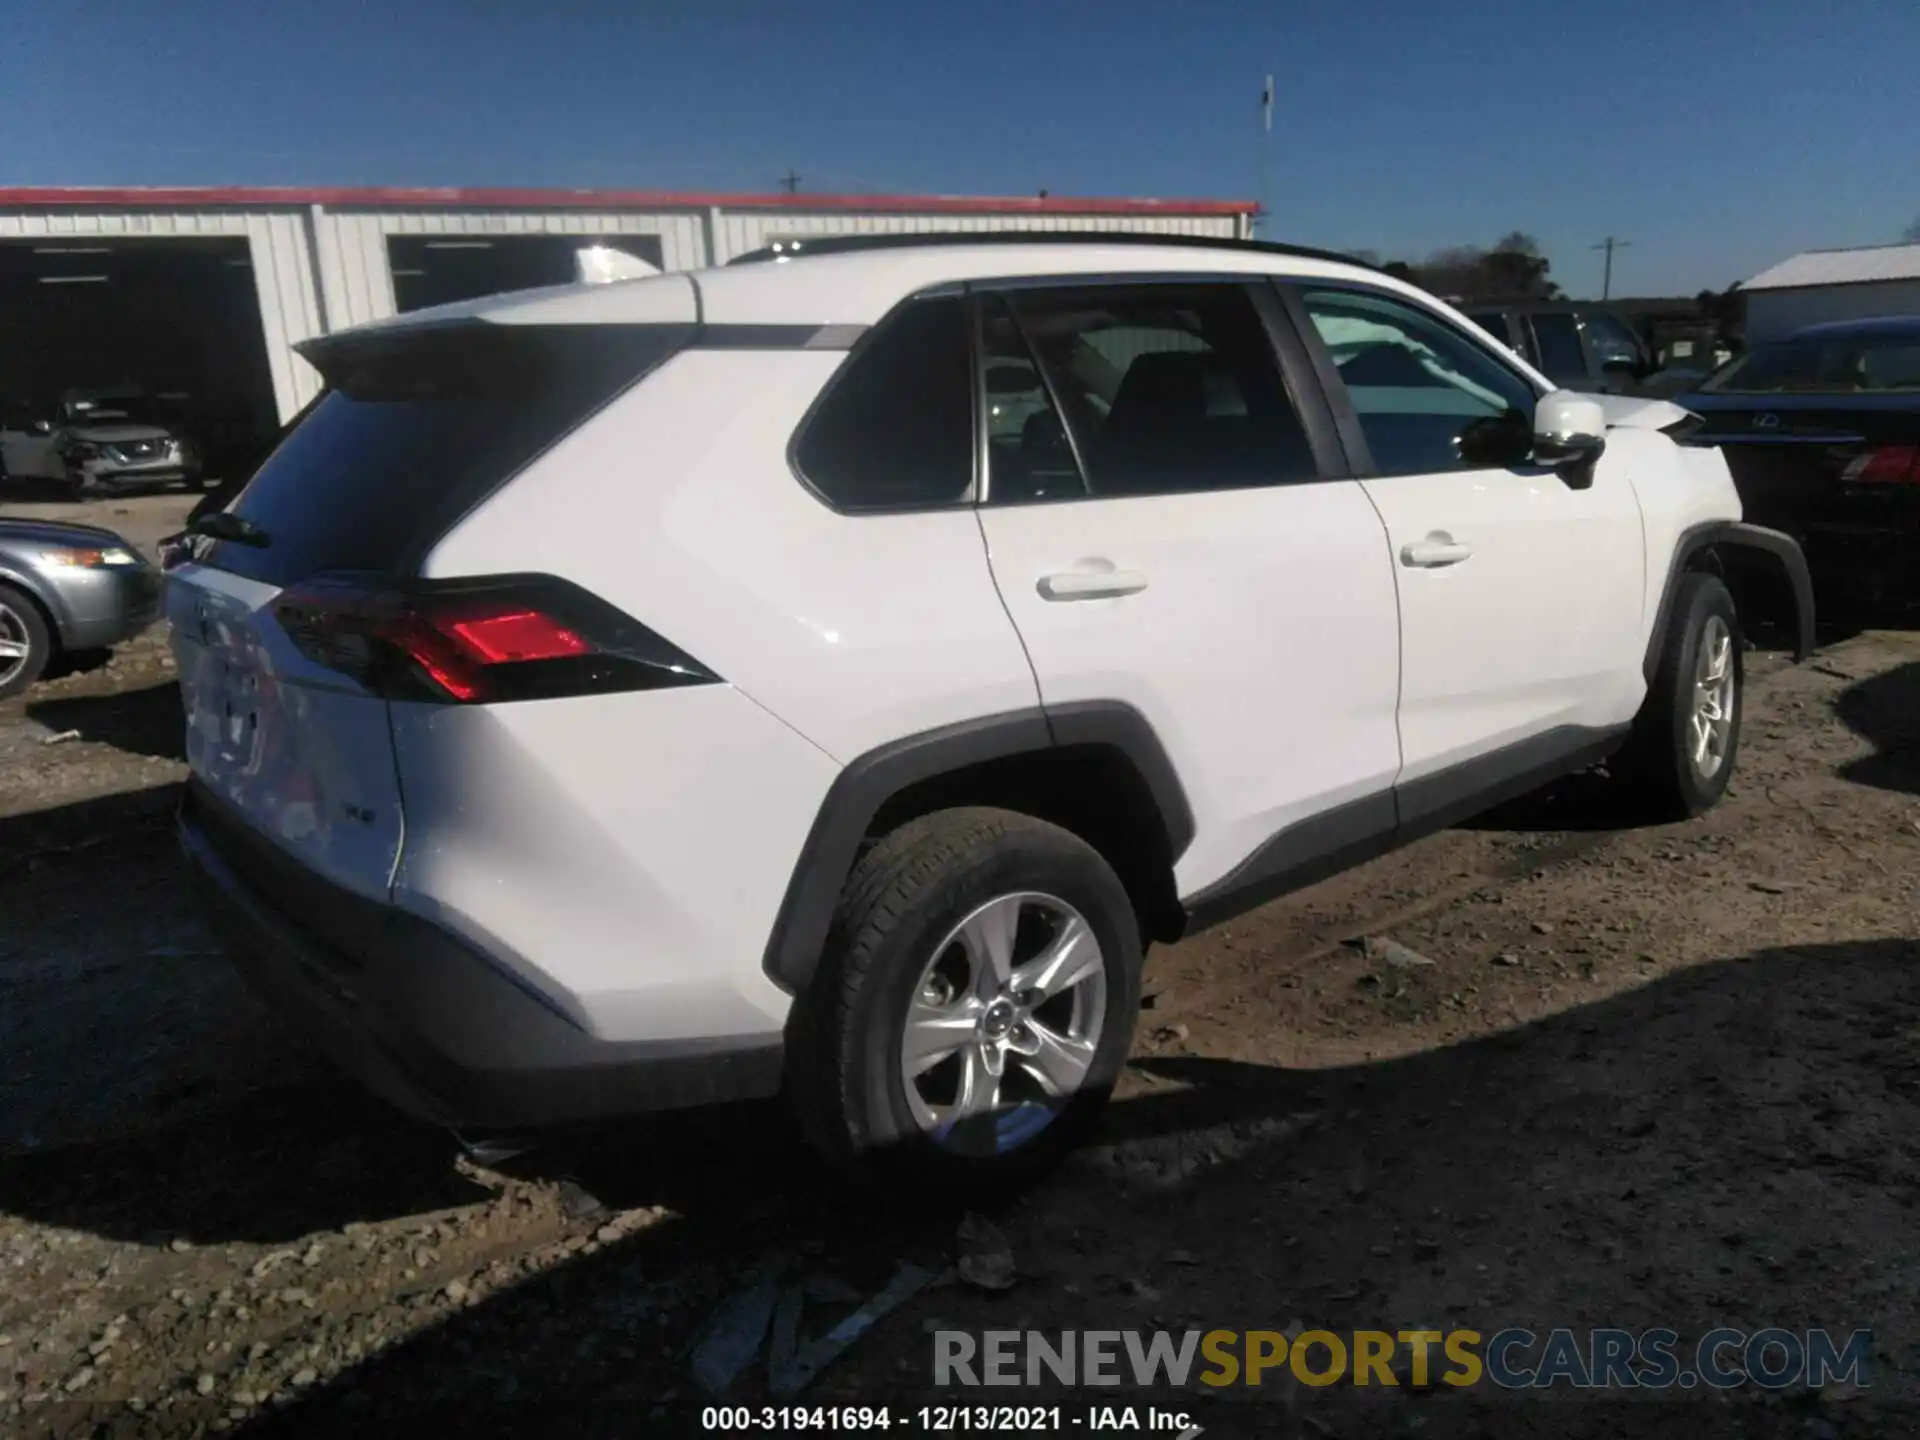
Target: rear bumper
424,1019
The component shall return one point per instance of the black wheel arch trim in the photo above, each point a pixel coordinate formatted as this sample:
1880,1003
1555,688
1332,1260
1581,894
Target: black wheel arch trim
866,784
1782,553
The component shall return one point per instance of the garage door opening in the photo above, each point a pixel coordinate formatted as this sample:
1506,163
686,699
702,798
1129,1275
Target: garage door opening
440,269
175,323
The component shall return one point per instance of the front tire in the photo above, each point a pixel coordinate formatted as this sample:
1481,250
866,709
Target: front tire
25,643
1680,757
973,1007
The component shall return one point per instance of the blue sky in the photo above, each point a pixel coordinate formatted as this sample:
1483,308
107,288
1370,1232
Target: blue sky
1718,135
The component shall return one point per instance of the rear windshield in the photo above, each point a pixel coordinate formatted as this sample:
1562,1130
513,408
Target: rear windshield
1824,366
417,427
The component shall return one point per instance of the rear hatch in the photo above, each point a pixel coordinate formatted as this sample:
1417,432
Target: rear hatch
282,670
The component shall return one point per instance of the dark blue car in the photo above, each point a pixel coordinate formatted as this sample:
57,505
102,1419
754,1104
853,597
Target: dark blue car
1822,432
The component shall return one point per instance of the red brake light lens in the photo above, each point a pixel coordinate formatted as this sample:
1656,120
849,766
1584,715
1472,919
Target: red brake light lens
476,642
516,636
1887,465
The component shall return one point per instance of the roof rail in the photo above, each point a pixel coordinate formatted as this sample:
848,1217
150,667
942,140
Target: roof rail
854,244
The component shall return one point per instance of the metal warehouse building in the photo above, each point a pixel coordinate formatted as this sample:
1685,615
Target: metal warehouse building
1822,285
203,293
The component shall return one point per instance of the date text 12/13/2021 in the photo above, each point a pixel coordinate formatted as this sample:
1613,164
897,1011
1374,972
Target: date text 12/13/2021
948,1419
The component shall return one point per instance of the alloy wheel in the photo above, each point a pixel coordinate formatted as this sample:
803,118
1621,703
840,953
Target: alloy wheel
1710,723
1004,1023
16,645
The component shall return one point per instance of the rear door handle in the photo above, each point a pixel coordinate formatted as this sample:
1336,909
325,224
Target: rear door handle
1091,584
1439,549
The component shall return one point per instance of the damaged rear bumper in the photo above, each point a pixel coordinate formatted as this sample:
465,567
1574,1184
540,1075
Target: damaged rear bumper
424,1019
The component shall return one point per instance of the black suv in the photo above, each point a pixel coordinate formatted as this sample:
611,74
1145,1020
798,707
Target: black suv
1577,345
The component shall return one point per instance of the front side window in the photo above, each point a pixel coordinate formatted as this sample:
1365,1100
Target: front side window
894,429
1556,340
1166,389
1417,384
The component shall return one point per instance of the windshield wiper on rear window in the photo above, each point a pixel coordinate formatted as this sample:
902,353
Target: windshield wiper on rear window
225,525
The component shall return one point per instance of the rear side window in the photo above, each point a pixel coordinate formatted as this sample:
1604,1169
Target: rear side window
1825,365
894,428
417,427
1165,389
1494,322
1557,340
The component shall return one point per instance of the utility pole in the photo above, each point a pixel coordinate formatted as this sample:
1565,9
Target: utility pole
1266,143
790,183
1610,244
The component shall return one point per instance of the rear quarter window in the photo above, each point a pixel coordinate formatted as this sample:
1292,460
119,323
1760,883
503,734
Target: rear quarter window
894,428
418,426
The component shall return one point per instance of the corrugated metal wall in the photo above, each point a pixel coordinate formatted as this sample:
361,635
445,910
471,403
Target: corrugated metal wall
318,270
1773,313
745,230
358,281
54,224
284,277
277,245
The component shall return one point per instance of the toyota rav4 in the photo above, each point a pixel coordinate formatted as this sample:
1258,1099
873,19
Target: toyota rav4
825,674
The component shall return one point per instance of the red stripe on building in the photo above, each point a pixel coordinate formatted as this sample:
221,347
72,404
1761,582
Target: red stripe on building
457,198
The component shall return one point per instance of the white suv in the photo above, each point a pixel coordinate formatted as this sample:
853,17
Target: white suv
827,673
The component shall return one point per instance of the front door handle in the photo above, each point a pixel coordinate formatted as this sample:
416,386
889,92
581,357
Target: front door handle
1439,549
1091,584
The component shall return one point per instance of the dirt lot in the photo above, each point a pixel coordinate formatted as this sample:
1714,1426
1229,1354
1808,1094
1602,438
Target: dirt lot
1663,1076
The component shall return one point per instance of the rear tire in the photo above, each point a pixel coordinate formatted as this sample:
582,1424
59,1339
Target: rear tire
1680,757
22,628
899,970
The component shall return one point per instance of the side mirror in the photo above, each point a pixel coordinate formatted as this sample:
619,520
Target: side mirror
41,427
1496,442
1569,432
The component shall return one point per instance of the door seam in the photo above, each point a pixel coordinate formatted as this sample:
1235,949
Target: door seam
993,576
1399,644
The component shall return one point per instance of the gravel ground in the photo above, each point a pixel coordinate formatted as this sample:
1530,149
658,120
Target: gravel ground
1650,1076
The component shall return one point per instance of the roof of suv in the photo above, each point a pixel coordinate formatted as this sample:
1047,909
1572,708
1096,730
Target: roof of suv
857,284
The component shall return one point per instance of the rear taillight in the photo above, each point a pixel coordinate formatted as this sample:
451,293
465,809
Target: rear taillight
1887,465
479,641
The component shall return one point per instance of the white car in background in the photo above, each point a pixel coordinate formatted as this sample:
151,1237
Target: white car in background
99,442
827,673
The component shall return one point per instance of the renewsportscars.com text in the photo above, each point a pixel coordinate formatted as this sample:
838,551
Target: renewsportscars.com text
1513,1359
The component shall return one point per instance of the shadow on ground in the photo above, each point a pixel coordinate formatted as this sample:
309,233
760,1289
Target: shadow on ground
140,722
34,489
145,1095
137,820
76,662
1728,1145
1885,712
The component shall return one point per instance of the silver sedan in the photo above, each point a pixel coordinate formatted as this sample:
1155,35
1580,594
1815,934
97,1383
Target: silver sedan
67,588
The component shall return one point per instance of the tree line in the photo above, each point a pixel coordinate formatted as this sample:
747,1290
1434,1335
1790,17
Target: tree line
1514,269
1511,269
